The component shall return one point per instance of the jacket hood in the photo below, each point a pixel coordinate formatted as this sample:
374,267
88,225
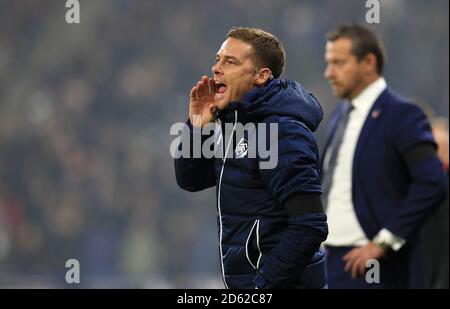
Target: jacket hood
280,98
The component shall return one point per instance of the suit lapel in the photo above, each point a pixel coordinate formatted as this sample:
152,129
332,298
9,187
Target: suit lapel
369,125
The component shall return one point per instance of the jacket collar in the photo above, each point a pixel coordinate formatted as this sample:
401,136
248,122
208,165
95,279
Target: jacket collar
252,102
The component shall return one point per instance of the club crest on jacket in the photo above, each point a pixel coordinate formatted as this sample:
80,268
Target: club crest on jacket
241,149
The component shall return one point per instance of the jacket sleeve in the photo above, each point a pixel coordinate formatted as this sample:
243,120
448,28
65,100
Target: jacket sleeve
294,178
297,167
193,174
428,188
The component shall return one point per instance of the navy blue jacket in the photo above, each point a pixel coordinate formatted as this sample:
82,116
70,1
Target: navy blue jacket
389,192
260,244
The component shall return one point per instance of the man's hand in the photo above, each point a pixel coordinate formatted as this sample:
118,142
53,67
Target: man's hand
355,260
201,103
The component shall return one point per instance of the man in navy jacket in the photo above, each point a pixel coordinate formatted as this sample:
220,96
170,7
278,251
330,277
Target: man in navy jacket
381,175
270,217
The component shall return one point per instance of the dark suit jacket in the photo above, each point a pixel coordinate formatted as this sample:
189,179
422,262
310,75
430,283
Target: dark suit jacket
392,186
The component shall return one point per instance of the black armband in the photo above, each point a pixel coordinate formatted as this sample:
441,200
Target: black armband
302,203
418,153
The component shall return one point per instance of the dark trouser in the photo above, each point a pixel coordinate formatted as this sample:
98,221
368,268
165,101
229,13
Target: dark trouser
394,273
338,278
435,236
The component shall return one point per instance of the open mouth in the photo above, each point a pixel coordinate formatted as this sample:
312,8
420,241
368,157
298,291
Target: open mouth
220,87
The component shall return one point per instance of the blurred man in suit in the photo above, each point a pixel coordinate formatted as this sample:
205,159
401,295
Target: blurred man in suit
380,172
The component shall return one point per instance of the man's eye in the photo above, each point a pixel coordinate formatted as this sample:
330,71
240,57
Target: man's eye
231,62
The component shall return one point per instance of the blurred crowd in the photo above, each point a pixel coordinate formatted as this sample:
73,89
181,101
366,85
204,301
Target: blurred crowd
85,114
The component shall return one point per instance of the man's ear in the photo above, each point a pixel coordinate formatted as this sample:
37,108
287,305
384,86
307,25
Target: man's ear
262,76
370,62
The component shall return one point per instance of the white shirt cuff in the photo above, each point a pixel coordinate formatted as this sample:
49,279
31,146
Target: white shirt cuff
386,238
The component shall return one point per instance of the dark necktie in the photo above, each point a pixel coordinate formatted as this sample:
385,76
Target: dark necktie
327,177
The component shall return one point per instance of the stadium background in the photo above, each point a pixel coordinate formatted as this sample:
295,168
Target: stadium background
85,113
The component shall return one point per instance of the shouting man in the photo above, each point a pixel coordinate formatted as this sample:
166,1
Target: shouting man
270,219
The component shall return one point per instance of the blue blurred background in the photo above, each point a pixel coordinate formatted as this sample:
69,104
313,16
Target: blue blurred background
86,109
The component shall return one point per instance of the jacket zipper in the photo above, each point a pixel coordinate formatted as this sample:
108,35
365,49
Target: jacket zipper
218,198
255,225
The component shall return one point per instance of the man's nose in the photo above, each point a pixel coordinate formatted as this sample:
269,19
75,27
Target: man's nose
328,73
216,69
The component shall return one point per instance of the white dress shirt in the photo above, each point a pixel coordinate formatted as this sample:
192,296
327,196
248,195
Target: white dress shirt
343,225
